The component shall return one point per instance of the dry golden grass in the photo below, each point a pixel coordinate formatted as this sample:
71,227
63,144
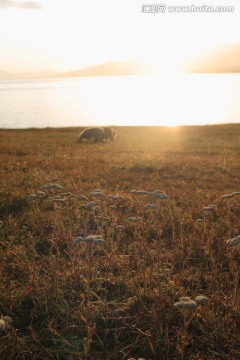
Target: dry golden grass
86,300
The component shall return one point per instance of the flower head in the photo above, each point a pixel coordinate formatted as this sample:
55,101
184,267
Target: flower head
134,218
158,194
78,239
149,206
32,197
201,299
139,192
234,241
185,303
93,239
5,322
96,193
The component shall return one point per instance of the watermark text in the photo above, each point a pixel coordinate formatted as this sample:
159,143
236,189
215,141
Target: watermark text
162,8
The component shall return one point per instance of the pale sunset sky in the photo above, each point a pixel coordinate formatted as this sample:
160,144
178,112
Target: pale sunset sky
63,35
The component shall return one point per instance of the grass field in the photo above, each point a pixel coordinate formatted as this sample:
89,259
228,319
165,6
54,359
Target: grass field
74,298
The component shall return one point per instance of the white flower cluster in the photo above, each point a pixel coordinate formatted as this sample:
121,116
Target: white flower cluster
234,241
5,322
226,196
186,302
51,186
210,209
93,239
96,193
156,194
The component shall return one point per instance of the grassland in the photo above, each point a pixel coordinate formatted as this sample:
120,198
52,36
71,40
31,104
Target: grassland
115,300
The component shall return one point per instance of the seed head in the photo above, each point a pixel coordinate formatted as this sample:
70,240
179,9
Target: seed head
201,299
112,207
139,192
78,239
234,241
159,195
82,197
5,323
96,194
51,186
99,241
93,239
134,218
226,196
89,205
209,208
149,206
185,303
32,197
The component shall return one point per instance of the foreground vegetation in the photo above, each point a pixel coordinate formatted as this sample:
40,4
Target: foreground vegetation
116,296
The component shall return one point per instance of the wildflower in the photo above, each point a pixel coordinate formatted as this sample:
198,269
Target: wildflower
96,193
67,194
41,194
236,193
82,197
226,196
104,218
139,192
32,197
5,322
109,197
234,241
51,186
158,194
89,205
134,218
120,227
230,195
112,207
184,298
201,299
115,197
78,239
209,208
118,197
150,206
99,241
185,303
57,200
93,239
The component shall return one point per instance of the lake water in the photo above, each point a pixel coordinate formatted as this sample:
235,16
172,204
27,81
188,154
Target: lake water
163,99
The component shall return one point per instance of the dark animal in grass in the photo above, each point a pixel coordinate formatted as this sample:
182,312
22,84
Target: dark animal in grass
96,134
109,133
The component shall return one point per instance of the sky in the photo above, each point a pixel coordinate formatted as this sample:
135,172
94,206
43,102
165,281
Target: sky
63,35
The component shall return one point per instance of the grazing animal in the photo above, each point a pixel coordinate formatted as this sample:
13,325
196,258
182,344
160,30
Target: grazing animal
109,133
95,133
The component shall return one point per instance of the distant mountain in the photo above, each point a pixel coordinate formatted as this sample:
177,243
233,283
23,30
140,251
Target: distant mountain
25,75
111,68
223,60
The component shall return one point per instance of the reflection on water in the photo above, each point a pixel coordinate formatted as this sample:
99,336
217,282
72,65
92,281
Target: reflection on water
164,99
